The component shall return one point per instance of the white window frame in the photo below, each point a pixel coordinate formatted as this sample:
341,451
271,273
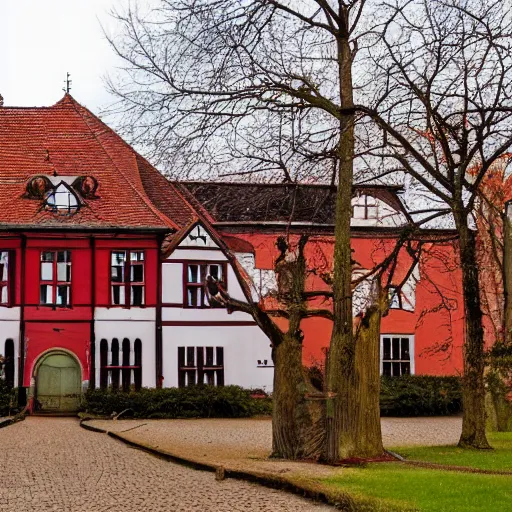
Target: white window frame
411,350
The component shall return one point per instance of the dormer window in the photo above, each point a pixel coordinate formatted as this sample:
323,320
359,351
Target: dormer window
364,207
62,200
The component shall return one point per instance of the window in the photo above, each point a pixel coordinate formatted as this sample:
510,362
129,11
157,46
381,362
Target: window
195,277
127,278
4,277
396,355
200,365
126,375
62,200
55,284
364,207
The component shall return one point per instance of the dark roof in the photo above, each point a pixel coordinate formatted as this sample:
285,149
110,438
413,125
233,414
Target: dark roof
251,202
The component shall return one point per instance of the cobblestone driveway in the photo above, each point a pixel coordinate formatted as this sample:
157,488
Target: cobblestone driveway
53,464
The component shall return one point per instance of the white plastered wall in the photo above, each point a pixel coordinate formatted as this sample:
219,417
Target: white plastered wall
10,329
243,347
130,323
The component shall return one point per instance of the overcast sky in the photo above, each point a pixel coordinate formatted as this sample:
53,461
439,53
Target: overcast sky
40,40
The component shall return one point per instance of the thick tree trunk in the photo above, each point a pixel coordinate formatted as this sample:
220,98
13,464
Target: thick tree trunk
295,420
473,392
368,438
341,424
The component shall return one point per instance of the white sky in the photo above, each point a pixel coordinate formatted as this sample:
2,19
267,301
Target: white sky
40,40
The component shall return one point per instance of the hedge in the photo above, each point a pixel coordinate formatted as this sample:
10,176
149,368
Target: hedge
7,400
409,395
171,403
419,395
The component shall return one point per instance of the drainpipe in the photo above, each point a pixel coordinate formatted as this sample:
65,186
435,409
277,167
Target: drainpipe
158,318
92,336
22,394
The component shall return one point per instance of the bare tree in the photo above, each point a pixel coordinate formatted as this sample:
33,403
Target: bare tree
265,80
494,262
443,101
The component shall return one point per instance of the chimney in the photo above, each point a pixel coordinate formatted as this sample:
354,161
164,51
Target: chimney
1,101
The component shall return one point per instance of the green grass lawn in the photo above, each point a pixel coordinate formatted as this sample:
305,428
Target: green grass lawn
397,485
498,459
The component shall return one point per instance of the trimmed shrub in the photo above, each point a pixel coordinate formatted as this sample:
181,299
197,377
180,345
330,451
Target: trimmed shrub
409,395
419,395
171,403
7,400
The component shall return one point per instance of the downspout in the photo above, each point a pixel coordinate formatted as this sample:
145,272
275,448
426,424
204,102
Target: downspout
92,335
158,318
22,392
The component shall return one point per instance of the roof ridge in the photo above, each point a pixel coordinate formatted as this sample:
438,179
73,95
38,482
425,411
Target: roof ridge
282,185
147,202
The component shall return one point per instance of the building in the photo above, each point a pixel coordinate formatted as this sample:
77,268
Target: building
423,332
103,262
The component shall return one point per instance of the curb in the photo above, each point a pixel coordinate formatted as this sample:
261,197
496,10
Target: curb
14,419
458,469
346,503
7,422
90,427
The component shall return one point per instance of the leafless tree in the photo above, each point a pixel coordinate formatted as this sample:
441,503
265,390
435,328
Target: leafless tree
443,101
268,82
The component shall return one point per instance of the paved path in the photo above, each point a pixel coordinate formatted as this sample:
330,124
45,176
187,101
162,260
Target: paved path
53,464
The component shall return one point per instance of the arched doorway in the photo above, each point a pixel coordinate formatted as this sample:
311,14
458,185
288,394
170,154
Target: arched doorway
58,383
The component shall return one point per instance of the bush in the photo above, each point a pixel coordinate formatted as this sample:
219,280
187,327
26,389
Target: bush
409,395
171,403
417,395
7,400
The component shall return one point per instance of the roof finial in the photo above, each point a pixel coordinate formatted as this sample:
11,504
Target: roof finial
1,101
68,84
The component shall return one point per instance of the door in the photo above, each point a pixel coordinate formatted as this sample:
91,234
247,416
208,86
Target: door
58,384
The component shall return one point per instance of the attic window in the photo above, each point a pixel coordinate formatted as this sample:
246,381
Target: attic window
364,207
62,200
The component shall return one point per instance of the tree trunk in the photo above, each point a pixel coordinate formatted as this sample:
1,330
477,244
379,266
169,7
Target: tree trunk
295,420
368,438
499,406
473,390
341,426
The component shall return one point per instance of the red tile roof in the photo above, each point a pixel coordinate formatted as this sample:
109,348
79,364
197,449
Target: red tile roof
68,139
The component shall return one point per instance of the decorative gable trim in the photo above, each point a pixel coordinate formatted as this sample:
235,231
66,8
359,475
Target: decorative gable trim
220,245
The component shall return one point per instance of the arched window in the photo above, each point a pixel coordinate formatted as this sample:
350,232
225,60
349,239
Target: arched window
9,363
137,372
62,200
115,362
127,371
103,364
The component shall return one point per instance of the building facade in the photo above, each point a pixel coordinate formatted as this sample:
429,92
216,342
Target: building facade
103,264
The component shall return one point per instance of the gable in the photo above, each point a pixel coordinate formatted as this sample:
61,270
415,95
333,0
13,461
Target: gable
198,238
369,210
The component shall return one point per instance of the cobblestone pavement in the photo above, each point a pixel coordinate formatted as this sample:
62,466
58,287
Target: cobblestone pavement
53,464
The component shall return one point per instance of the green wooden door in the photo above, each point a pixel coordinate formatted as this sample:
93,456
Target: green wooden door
59,384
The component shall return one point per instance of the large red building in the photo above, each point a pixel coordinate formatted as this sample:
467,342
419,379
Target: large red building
102,265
